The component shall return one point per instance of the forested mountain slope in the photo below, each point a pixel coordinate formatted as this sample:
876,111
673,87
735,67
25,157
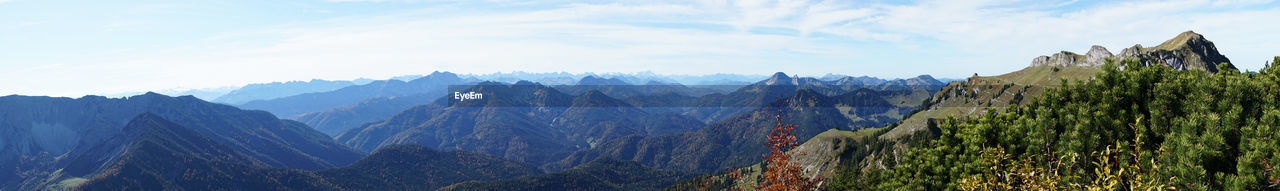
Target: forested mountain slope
735,141
42,134
524,122
161,155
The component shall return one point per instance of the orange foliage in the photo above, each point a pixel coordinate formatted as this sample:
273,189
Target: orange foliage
780,172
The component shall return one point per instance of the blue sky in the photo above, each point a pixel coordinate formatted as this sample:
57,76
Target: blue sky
73,48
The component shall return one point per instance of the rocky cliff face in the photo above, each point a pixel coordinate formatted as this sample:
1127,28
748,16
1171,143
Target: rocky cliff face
1097,54
1094,58
1187,51
1065,59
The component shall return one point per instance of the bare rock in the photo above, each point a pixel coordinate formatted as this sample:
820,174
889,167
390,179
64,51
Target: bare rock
1096,56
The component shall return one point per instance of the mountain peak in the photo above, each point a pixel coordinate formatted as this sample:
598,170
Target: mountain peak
437,75
1189,38
1188,50
149,96
925,77
440,73
780,79
1067,58
779,75
592,80
1097,55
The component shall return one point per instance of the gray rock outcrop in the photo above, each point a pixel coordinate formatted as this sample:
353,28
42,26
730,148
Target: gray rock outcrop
1187,51
1068,59
1097,55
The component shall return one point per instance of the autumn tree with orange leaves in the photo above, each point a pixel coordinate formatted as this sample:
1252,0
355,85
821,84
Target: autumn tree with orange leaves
778,171
781,173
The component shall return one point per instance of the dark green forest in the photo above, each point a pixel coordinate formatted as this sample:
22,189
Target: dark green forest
1132,127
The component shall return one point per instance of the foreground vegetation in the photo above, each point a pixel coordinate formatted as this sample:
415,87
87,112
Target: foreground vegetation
1133,127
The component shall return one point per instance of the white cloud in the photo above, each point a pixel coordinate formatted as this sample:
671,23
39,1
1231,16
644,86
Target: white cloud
565,39
944,38
1228,3
347,1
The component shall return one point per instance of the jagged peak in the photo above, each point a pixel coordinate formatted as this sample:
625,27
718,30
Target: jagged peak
1063,59
1097,49
1097,54
1131,51
1205,54
1188,50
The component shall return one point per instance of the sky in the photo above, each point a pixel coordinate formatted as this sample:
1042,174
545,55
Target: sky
75,48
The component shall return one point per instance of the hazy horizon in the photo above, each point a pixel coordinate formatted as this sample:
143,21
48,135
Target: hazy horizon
91,47
218,91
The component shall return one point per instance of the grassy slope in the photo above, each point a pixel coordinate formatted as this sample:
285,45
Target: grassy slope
977,94
820,154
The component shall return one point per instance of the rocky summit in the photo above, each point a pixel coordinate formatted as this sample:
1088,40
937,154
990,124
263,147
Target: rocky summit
1187,51
1094,58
